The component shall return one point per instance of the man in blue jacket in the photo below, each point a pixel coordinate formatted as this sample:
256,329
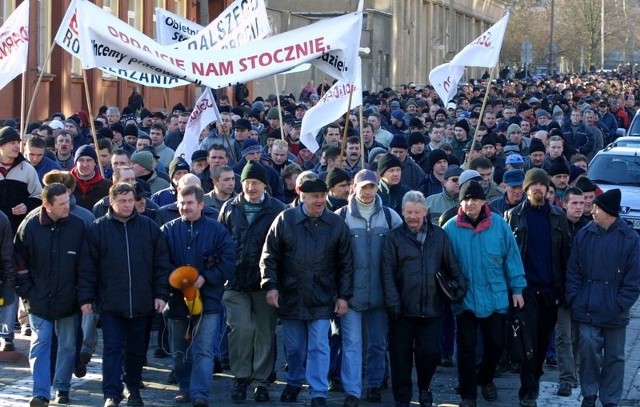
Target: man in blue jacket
201,242
601,289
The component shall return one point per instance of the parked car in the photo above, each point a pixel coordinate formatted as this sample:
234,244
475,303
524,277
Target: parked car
619,167
626,141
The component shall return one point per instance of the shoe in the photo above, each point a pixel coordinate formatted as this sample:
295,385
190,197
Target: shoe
80,369
272,377
403,404
26,331
318,402
489,392
239,392
85,357
374,395
160,353
62,397
261,394
385,384
171,379
528,401
551,361
426,398
134,398
589,401
351,401
7,345
290,394
468,403
38,401
110,402
182,398
446,361
217,366
564,390
200,403
336,385
141,385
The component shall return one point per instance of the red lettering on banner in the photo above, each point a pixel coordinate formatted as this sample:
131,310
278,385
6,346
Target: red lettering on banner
287,53
73,23
126,39
11,41
447,84
221,68
484,40
200,108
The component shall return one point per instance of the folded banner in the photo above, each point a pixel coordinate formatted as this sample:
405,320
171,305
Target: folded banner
204,112
14,44
333,104
172,28
330,44
484,51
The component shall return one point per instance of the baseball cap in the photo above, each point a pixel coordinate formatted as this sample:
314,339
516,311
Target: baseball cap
364,177
513,178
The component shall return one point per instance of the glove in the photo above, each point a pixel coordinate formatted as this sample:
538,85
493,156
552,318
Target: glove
394,312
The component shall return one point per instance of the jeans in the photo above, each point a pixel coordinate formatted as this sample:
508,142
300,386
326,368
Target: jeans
567,346
335,351
8,319
89,332
123,346
193,361
492,329
307,341
42,331
252,325
602,362
540,315
409,339
352,323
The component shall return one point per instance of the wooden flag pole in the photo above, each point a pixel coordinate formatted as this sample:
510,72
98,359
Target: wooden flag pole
275,79
91,123
346,131
484,104
35,89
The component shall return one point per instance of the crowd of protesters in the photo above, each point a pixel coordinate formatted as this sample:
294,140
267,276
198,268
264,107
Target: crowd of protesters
412,234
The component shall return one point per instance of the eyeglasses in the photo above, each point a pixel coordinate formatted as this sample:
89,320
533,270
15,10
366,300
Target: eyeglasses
454,179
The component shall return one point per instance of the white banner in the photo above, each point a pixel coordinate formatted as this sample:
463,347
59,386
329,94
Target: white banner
68,38
172,28
14,44
333,104
204,112
484,51
331,44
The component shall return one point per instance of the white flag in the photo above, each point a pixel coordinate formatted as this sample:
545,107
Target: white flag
172,28
331,44
14,44
484,51
204,112
333,104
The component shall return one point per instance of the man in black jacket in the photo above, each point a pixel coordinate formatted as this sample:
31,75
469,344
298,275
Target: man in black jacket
47,249
124,270
251,321
543,238
307,270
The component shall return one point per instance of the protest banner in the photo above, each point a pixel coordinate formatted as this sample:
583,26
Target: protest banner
14,44
205,111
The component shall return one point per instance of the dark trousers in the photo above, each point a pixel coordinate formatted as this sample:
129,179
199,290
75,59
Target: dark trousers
123,345
448,330
411,338
540,316
492,331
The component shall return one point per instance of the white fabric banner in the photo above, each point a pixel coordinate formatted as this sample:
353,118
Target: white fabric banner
484,51
172,28
330,44
68,38
333,104
14,44
204,112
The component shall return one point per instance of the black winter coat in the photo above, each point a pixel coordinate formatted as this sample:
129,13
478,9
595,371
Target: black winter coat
124,266
309,263
249,238
50,251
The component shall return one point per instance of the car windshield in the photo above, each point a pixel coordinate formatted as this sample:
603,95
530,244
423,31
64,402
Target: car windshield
634,130
615,169
629,142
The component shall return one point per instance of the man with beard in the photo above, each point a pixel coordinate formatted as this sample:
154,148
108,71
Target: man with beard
543,237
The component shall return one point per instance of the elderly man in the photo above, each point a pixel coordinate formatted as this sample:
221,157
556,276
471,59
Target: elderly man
307,270
601,290
489,258
514,194
411,256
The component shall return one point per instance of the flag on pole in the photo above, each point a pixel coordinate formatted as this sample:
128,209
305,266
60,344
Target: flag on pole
204,112
14,44
484,51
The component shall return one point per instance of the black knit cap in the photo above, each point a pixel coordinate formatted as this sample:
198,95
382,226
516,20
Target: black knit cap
415,138
559,167
463,123
8,134
316,185
178,164
435,156
130,130
472,190
536,145
609,202
399,141
336,176
388,161
254,170
585,185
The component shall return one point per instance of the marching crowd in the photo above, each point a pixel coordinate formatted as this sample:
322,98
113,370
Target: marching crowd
427,235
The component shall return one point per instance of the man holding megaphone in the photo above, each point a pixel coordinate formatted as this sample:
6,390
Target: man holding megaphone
204,254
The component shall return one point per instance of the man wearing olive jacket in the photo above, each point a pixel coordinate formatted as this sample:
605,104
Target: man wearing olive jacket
307,270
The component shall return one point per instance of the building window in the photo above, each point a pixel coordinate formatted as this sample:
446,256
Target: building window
110,6
180,7
6,9
134,14
44,34
157,4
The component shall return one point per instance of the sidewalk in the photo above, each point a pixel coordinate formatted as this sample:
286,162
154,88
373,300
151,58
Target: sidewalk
15,382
